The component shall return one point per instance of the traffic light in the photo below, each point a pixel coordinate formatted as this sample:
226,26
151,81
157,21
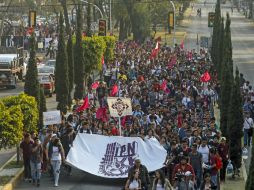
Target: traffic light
32,19
211,16
102,27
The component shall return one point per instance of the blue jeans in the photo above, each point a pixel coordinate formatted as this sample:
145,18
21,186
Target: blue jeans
214,180
246,137
198,173
35,170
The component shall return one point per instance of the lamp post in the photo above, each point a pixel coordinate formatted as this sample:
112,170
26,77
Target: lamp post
174,9
110,16
94,6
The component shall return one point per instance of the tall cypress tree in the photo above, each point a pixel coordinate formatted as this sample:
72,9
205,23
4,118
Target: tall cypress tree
79,59
220,49
70,68
43,107
228,45
235,122
62,80
32,87
216,34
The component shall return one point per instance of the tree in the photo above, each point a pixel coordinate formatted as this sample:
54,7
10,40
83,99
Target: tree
43,107
29,109
227,58
88,19
220,50
70,68
11,126
62,80
69,50
216,34
227,78
79,59
235,122
31,87
140,20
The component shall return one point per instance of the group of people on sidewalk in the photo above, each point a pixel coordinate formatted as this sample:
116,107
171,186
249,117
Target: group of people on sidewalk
173,94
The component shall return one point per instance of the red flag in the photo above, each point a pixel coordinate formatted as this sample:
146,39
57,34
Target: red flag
155,51
172,62
182,44
95,85
114,90
85,105
205,77
164,85
102,60
101,114
189,55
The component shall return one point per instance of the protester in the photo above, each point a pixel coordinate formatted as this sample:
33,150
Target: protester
160,182
36,159
56,155
26,152
172,103
143,174
134,182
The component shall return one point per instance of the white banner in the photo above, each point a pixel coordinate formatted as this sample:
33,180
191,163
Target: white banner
119,107
112,157
51,117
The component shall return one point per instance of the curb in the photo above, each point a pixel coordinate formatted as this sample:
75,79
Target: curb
6,163
14,181
245,176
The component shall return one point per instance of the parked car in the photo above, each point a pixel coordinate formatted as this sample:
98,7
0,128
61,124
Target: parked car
47,82
51,63
46,70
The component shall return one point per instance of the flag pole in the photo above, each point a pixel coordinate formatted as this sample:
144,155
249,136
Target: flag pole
118,84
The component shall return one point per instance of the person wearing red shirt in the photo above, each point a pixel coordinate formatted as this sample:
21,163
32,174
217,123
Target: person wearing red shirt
182,168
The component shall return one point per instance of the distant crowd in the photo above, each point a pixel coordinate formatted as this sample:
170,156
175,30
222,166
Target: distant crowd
173,93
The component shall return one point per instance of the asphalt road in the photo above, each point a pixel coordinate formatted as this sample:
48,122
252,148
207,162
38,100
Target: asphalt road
78,181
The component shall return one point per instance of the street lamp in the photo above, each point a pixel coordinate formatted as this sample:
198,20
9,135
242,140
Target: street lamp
94,6
174,9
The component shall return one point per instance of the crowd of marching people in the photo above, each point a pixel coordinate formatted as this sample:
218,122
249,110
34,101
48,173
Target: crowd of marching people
173,93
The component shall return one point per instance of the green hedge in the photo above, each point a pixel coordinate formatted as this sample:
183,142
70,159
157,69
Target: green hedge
28,107
94,49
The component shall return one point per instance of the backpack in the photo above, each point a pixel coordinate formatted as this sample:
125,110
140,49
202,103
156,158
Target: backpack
219,163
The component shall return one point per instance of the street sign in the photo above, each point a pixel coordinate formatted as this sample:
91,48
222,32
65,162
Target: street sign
171,20
204,41
211,16
102,27
32,19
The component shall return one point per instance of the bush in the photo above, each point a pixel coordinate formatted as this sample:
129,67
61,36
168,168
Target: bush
28,107
11,125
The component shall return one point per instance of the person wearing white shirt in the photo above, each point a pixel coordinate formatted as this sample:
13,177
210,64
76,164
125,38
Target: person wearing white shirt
185,100
247,129
204,150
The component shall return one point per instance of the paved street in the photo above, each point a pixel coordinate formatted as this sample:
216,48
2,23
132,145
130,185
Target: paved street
78,181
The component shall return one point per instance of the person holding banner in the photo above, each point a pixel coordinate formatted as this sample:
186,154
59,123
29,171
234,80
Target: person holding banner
56,155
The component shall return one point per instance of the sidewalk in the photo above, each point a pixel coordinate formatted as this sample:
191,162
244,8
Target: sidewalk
239,182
